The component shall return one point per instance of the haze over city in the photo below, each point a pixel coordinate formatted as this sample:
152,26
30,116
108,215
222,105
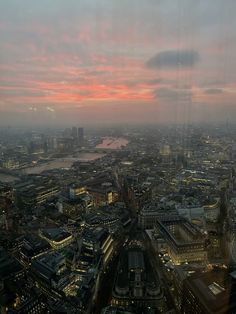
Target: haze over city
102,61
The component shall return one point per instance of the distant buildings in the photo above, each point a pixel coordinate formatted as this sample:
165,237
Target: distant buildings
80,136
76,224
75,136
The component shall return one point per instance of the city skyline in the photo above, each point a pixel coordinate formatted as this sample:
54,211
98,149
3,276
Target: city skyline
117,62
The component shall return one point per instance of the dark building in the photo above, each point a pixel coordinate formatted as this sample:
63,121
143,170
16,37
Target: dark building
31,247
74,132
10,268
136,283
30,303
35,192
80,136
208,293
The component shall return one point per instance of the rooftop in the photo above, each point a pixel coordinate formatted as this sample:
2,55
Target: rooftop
55,234
215,290
136,260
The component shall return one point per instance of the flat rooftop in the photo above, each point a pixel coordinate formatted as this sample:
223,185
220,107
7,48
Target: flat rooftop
136,260
215,289
181,232
55,234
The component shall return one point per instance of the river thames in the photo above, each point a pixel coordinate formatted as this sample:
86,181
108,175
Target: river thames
67,162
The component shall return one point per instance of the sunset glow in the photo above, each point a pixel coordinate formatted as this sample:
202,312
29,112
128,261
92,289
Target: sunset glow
78,57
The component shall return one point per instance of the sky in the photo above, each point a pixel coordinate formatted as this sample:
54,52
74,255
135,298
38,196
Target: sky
117,61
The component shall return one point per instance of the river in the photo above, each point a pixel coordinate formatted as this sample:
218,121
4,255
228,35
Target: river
112,143
65,162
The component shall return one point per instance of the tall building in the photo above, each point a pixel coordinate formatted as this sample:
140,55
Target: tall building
74,132
77,135
80,136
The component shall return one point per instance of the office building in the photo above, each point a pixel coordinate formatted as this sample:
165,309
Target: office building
56,237
212,292
185,242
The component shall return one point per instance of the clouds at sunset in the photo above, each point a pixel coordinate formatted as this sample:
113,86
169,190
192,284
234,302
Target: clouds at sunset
173,59
108,60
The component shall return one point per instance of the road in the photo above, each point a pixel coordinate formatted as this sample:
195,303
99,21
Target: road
106,283
160,271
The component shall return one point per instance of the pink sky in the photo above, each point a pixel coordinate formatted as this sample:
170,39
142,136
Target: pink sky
117,61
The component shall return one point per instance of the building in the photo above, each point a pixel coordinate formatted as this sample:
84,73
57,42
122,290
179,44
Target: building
101,219
151,213
99,240
31,247
77,134
80,136
6,207
213,292
136,283
10,268
116,310
212,211
56,237
192,213
74,132
18,298
51,272
184,241
65,144
36,191
77,190
139,195
29,303
103,195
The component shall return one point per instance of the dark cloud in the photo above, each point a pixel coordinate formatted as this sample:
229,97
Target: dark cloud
155,81
163,81
213,91
173,59
172,94
96,72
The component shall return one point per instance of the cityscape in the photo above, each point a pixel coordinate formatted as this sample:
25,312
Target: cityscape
118,157
135,220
